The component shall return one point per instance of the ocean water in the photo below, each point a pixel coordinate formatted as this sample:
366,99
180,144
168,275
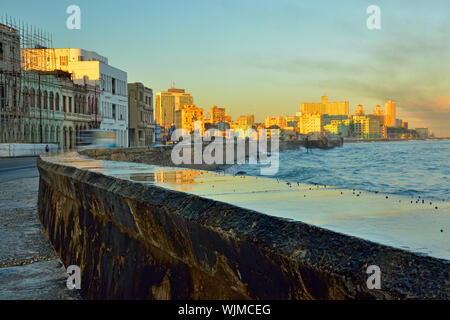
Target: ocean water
407,168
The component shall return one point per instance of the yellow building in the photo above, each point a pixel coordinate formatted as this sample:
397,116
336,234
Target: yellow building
325,107
359,110
248,120
339,127
310,123
317,122
278,121
378,111
167,103
188,115
217,114
391,115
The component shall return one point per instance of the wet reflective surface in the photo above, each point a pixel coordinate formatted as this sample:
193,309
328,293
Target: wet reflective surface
414,224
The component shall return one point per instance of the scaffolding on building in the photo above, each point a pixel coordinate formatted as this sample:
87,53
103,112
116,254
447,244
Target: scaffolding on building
17,71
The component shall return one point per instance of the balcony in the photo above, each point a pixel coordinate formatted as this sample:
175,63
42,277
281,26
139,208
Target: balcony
70,116
98,117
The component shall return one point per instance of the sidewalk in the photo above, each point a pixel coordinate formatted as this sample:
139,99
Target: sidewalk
29,266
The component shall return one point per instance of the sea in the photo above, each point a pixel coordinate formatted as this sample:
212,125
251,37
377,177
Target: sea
408,168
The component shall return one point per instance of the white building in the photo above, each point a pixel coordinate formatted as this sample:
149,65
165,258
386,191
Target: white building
88,67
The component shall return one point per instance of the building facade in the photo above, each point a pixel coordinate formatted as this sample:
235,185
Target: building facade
391,113
167,103
217,114
90,68
187,116
141,123
325,107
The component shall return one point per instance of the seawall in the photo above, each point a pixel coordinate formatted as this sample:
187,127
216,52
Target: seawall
143,241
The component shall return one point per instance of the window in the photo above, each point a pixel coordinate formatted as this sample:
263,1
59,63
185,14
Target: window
63,60
114,111
1,51
2,96
113,86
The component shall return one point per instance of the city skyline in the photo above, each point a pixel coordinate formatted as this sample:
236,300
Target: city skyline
255,60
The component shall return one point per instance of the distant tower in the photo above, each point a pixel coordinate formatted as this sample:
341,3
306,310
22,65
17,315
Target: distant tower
391,115
378,111
324,99
359,110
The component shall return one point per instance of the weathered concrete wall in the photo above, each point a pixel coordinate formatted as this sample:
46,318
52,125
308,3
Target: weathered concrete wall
136,241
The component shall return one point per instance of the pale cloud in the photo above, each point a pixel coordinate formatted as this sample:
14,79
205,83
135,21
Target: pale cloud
433,113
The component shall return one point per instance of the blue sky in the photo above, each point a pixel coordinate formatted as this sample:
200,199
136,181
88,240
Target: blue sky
265,57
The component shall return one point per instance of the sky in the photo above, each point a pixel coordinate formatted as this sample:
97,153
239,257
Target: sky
266,57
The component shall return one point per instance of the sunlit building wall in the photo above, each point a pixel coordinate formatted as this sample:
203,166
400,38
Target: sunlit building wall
217,114
390,117
378,111
188,115
311,123
325,107
359,110
167,103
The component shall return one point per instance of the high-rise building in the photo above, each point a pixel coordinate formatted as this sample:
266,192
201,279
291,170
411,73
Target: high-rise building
188,115
325,107
88,67
141,124
390,117
167,103
217,114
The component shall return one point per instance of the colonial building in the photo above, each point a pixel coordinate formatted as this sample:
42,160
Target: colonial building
141,123
58,109
90,68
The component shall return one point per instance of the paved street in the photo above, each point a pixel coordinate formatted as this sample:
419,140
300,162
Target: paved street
29,266
17,168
